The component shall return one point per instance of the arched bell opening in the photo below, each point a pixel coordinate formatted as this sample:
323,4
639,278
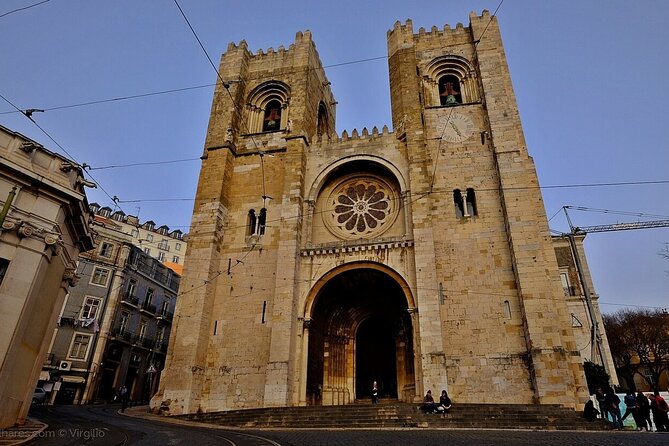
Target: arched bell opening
360,331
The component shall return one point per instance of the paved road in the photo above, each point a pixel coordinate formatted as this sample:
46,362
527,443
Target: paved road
102,426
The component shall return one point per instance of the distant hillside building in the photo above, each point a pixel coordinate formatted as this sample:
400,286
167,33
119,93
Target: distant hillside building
159,242
44,226
115,325
419,258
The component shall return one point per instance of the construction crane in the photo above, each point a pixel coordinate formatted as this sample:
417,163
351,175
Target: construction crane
596,339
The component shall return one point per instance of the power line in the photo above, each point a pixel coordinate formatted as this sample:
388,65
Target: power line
24,8
148,163
226,85
489,22
120,98
28,114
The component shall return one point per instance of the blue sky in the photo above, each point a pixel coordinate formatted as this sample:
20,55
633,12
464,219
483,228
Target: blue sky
590,79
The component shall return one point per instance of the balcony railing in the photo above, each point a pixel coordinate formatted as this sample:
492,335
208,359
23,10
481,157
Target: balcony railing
123,335
130,299
149,308
166,316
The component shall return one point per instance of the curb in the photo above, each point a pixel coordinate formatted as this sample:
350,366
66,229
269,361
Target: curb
22,434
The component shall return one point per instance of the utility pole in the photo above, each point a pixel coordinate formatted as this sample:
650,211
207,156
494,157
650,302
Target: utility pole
596,339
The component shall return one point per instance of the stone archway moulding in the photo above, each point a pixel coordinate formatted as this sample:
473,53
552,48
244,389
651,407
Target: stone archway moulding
325,173
325,278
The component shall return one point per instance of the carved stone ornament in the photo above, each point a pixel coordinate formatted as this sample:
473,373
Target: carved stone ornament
25,231
8,225
50,239
70,277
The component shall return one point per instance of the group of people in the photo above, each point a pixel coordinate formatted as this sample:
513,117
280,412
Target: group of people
429,406
639,406
123,396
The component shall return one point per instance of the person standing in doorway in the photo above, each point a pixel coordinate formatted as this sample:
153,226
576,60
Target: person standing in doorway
375,393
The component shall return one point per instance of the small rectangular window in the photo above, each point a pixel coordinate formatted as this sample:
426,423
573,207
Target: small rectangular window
90,308
164,245
106,250
134,233
142,330
79,348
100,276
147,251
161,256
564,279
125,319
149,237
175,259
177,247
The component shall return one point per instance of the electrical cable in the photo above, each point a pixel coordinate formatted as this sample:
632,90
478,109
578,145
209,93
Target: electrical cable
24,8
28,114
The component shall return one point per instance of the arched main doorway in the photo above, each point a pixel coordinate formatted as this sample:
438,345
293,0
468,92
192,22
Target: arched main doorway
360,332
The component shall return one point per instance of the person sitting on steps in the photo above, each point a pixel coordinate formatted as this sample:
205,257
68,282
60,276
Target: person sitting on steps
428,403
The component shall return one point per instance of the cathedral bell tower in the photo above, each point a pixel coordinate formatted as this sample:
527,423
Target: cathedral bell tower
266,108
453,104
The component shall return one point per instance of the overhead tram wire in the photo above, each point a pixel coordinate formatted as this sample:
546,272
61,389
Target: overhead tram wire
420,196
24,8
120,98
72,158
448,119
226,85
148,163
195,87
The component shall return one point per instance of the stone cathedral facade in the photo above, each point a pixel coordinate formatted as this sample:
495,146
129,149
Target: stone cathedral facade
419,258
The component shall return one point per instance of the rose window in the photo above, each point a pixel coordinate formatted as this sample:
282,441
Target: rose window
361,207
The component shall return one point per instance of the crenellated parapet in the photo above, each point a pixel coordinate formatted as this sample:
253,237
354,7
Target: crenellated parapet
402,35
262,55
354,136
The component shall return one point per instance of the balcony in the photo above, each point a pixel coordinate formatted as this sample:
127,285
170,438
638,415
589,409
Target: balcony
130,299
166,316
123,335
148,308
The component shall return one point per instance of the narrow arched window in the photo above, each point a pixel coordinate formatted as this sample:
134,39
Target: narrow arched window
323,126
459,204
449,90
251,223
471,203
272,117
262,217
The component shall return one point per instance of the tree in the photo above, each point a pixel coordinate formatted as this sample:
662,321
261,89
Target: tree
596,376
639,340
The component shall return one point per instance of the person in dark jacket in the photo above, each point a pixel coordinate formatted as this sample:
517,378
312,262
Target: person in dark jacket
589,411
428,403
612,404
644,412
444,402
601,401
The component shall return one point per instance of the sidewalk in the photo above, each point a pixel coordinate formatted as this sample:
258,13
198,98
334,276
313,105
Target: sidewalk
22,434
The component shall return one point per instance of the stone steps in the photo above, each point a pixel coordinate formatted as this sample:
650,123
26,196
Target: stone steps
397,415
